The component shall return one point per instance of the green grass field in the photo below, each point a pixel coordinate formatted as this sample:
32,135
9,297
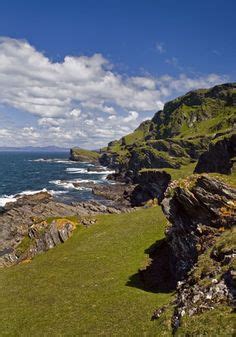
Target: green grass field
80,287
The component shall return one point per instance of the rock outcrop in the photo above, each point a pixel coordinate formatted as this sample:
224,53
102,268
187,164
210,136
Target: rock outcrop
220,158
197,208
202,243
29,213
178,134
77,154
41,237
118,193
151,184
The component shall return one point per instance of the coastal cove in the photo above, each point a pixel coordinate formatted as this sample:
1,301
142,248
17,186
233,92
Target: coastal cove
26,173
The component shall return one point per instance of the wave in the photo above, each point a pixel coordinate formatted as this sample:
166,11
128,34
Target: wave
69,184
4,199
76,170
53,160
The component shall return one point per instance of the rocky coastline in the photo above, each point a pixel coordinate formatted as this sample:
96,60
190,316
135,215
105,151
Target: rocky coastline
196,258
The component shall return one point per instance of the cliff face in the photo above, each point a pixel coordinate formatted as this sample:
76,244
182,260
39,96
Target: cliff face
77,154
201,241
198,208
220,157
179,134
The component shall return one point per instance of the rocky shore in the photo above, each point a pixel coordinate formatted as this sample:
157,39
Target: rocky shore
36,217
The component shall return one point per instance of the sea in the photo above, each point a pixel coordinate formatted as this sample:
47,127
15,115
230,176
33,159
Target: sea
24,173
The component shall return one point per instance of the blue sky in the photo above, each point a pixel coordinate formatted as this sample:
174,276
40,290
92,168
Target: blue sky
86,72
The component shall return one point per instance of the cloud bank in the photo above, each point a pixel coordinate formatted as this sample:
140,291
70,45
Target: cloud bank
81,100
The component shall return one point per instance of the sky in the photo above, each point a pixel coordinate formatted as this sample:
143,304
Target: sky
85,72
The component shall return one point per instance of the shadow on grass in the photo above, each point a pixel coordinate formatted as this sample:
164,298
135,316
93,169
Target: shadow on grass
157,276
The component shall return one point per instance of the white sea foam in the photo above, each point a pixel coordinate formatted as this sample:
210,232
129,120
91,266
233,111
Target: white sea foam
4,199
69,184
53,160
76,170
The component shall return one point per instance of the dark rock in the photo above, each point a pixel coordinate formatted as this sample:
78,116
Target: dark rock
120,193
220,158
151,184
199,249
95,168
22,218
41,197
200,202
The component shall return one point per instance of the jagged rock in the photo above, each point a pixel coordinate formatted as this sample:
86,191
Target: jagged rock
110,160
119,193
151,184
44,236
221,156
202,240
17,219
30,200
196,211
207,285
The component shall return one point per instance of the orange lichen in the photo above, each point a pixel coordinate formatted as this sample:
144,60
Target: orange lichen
25,261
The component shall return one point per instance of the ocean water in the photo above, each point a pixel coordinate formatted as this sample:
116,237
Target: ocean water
27,173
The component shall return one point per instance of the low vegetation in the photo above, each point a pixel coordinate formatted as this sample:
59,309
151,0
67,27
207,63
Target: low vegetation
80,288
84,155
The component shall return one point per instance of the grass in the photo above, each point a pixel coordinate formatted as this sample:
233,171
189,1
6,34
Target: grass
73,218
86,153
218,322
228,179
80,287
24,245
137,135
183,172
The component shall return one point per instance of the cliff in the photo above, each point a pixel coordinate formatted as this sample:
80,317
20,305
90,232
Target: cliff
220,157
77,154
177,135
199,249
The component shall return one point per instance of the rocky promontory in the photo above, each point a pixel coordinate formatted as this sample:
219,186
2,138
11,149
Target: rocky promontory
82,155
36,223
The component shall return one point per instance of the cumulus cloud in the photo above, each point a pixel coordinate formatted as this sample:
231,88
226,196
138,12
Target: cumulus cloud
81,100
133,115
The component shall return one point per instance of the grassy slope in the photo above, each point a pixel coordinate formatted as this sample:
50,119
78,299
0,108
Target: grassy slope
79,288
183,172
85,153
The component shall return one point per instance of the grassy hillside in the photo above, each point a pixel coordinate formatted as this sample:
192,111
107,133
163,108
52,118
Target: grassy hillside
80,288
83,155
181,132
86,286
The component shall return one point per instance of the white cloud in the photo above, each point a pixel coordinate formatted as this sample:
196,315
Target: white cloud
133,115
75,113
160,47
81,100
